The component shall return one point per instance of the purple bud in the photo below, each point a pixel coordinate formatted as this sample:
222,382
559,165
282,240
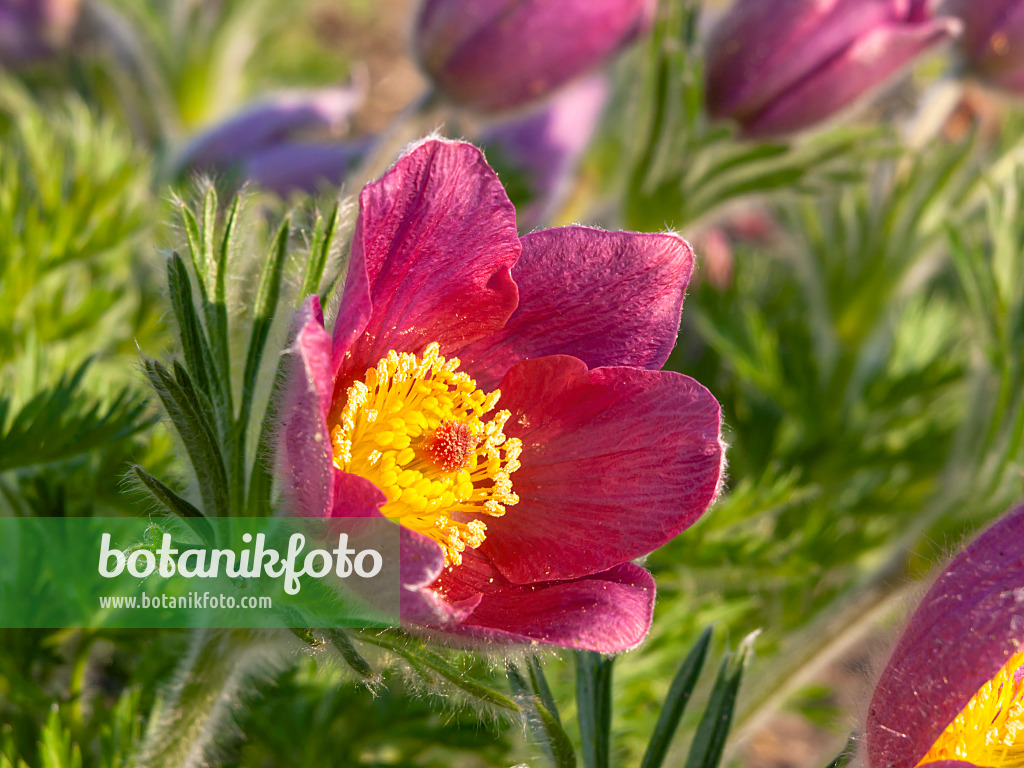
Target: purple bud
272,122
951,690
280,143
34,29
302,167
992,44
778,66
546,145
499,54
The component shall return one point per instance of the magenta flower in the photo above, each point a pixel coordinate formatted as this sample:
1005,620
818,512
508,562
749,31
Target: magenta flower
992,43
951,691
501,54
499,396
779,66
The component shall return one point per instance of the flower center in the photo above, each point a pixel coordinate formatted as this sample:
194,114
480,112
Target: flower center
415,427
990,729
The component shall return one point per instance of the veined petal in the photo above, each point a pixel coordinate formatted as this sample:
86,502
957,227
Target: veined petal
608,612
966,629
607,298
431,259
615,462
304,456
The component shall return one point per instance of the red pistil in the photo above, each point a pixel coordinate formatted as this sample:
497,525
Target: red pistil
451,445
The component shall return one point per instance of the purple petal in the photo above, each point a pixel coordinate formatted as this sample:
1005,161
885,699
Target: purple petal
431,259
615,462
866,65
964,631
500,55
270,122
607,298
761,49
304,457
294,167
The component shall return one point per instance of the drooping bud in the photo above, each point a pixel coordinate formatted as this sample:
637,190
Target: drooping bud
951,689
779,66
992,44
493,55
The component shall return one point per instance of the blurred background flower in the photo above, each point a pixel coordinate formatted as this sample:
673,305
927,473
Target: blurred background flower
289,142
34,29
776,67
502,54
992,43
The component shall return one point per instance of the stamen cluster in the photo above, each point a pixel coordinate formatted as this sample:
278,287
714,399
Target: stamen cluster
416,428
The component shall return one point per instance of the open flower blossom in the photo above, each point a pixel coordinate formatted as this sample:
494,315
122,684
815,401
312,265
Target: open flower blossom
500,398
952,690
992,43
779,66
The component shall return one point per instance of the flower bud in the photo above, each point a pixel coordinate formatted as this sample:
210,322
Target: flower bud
779,66
952,688
279,143
34,29
500,54
992,44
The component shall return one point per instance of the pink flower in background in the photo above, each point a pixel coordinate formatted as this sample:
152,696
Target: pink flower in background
952,688
500,54
992,43
527,473
779,66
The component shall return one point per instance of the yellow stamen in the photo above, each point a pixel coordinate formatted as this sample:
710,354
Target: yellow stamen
988,731
417,428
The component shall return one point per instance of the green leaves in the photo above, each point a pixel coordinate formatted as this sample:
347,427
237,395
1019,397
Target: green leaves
594,708
594,705
675,703
63,422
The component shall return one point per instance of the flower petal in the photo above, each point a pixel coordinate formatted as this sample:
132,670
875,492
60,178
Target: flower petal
607,298
868,64
607,612
966,628
304,456
615,462
431,258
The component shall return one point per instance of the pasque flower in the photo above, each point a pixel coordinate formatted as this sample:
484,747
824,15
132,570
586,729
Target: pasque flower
992,44
34,29
500,397
778,66
952,688
500,54
287,142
